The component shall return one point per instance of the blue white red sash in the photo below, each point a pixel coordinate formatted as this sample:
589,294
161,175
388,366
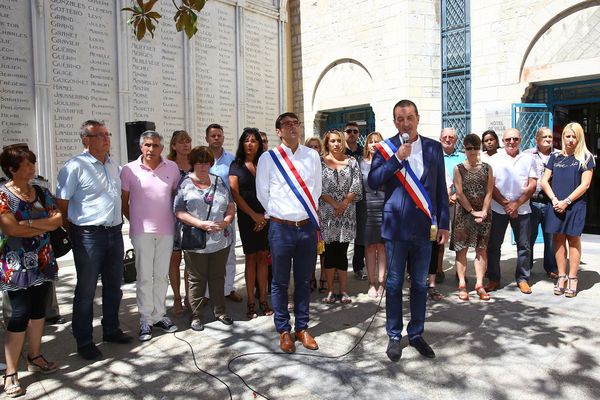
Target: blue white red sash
409,180
296,183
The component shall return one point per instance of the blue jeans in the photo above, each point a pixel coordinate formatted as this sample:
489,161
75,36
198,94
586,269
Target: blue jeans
520,227
96,251
538,214
297,246
398,252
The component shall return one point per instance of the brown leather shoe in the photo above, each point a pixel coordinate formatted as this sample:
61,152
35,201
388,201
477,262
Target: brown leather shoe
552,275
492,286
524,287
233,296
307,340
286,342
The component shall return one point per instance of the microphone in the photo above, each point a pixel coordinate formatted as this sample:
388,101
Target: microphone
405,137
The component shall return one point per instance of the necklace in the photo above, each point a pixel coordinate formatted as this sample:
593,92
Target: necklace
20,192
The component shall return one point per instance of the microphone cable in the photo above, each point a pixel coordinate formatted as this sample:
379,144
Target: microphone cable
255,392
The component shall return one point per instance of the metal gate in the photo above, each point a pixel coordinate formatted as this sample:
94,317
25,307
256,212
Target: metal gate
528,118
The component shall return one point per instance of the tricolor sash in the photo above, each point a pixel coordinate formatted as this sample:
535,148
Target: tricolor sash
296,183
409,180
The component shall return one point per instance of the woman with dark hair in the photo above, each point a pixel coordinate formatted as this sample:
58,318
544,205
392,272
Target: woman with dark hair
204,201
27,263
251,218
474,184
342,187
566,179
179,150
489,144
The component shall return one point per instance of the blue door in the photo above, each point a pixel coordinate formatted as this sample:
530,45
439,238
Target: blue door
528,118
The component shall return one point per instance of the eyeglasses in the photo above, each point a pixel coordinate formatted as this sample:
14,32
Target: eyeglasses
471,148
290,124
349,131
100,135
512,139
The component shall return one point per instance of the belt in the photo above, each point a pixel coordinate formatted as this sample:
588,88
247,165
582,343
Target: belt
297,224
118,226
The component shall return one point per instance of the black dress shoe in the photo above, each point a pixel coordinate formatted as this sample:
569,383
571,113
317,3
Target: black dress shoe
89,352
422,347
58,320
118,337
394,350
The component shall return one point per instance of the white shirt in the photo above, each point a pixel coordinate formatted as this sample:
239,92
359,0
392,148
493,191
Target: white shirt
511,178
415,159
273,191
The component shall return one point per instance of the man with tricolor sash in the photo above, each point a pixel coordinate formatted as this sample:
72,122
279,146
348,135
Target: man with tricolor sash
288,185
411,169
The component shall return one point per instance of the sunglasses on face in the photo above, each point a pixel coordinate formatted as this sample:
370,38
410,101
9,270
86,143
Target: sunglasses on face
471,148
512,139
349,131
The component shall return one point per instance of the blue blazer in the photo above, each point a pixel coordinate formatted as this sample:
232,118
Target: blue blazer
402,220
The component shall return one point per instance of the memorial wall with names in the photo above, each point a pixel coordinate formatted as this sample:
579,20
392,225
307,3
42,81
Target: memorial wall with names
233,78
17,107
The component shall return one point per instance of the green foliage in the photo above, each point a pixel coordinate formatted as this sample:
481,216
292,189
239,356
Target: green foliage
145,20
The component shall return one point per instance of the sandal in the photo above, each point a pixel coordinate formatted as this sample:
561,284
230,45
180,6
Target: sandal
560,289
251,313
380,291
266,310
483,295
14,389
330,299
569,292
345,299
372,291
322,286
462,293
434,294
47,367
226,319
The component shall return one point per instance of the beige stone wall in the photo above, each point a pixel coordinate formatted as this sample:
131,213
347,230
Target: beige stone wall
349,53
502,32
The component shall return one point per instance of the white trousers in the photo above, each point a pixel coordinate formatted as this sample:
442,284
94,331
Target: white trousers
152,256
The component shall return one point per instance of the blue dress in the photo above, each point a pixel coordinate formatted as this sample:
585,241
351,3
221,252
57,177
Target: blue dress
566,176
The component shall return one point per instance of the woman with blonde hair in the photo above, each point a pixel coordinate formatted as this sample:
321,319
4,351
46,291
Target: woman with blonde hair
369,214
571,174
314,143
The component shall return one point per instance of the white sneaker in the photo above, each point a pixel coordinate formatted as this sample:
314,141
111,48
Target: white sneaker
145,332
166,325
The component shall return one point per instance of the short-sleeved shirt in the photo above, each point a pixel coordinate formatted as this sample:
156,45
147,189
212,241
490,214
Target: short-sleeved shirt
196,201
540,160
511,178
451,161
221,166
26,262
150,196
93,190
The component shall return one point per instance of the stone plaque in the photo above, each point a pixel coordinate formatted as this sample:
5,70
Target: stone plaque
215,72
157,75
17,109
82,71
261,72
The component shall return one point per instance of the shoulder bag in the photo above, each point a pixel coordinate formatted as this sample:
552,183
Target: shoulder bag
193,238
59,238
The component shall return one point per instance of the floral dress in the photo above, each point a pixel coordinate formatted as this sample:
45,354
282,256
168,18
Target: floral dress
338,183
26,262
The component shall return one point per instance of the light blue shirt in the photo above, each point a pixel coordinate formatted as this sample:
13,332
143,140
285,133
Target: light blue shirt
93,190
451,161
221,166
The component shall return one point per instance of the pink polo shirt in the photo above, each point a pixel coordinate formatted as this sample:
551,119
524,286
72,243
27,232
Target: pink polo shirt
151,195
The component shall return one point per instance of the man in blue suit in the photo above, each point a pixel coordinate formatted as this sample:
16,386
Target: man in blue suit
410,222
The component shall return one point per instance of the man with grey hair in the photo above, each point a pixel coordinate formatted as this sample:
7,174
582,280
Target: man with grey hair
147,188
88,194
541,153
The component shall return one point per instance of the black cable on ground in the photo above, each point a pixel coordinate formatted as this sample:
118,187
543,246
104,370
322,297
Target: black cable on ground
257,393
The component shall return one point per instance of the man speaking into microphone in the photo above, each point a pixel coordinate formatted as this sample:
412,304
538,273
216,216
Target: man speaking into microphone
411,170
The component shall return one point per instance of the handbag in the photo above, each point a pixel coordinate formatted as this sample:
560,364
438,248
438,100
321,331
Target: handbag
59,238
129,272
193,238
